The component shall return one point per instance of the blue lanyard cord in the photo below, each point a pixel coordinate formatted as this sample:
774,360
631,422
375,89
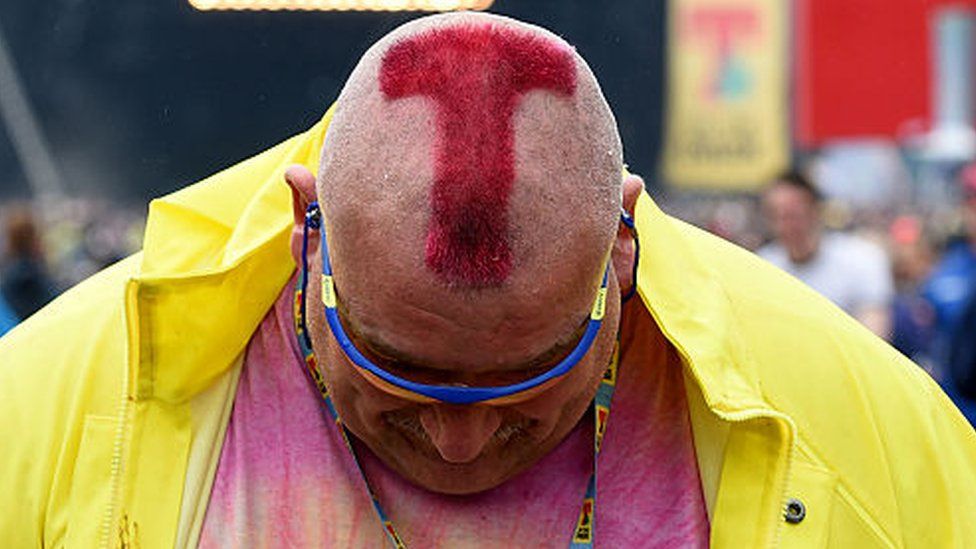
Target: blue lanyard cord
584,530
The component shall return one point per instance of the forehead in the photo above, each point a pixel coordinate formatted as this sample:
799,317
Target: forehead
486,332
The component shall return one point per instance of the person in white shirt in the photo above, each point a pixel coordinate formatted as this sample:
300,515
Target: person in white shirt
852,272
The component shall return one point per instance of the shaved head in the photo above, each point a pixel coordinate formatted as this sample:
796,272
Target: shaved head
479,147
471,188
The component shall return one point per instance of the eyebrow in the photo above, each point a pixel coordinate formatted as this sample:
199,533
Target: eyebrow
388,353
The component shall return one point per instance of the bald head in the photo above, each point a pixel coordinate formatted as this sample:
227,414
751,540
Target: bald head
471,186
478,147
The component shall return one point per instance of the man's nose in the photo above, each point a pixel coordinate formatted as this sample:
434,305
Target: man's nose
460,433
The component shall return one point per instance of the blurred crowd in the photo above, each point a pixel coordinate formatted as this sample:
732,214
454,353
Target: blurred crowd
49,245
906,269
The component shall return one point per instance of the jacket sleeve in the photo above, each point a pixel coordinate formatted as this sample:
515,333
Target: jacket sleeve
903,456
938,482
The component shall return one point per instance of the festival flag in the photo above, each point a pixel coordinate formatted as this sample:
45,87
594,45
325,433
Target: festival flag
727,99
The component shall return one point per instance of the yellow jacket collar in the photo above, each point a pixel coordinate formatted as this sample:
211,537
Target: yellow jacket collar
681,289
215,257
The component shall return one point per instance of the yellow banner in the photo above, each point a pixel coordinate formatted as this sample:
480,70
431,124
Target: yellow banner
727,99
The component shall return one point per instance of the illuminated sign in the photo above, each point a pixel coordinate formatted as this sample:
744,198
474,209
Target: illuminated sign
342,5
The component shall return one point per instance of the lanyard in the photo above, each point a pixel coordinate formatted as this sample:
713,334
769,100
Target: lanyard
584,529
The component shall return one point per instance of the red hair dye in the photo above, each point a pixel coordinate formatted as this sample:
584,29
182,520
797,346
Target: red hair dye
475,76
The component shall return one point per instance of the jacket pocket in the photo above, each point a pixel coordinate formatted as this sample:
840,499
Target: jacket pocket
91,485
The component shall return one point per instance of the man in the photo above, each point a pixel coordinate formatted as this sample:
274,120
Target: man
962,358
461,314
24,279
853,273
950,289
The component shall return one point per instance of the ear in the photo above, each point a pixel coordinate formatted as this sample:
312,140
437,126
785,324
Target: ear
302,184
623,248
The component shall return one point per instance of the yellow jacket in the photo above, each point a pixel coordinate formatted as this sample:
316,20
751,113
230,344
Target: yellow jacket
113,399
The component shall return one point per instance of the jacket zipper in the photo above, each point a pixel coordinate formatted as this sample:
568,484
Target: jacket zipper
121,432
115,478
748,415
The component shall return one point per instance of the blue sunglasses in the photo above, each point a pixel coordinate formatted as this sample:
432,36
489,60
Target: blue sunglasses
445,393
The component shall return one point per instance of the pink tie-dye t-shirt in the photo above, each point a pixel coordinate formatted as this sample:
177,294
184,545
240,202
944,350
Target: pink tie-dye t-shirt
285,478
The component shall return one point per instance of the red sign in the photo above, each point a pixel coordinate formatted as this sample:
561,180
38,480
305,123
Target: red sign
862,67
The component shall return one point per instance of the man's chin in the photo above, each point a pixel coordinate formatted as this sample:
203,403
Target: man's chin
418,462
456,479
411,454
